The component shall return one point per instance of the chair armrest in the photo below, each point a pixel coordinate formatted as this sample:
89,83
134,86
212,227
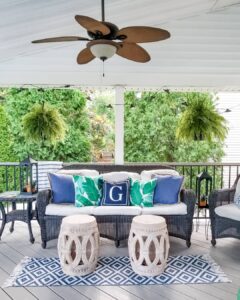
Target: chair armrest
221,197
189,198
43,199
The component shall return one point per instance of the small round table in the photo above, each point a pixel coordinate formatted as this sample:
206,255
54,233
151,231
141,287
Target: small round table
148,245
78,245
16,214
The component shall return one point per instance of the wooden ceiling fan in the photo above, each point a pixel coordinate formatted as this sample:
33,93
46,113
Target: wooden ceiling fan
106,39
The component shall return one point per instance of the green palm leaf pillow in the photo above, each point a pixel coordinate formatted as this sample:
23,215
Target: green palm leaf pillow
141,192
87,190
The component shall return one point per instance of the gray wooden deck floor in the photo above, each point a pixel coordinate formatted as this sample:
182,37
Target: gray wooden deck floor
13,247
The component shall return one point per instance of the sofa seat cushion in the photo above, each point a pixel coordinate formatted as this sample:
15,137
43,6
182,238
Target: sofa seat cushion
117,210
67,210
166,209
230,211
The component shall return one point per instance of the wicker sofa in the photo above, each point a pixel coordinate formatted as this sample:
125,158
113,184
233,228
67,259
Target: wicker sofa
114,222
224,215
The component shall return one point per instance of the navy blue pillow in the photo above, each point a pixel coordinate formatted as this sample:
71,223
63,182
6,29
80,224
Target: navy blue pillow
62,186
167,189
116,194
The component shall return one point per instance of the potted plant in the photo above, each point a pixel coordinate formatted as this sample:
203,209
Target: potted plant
200,120
44,123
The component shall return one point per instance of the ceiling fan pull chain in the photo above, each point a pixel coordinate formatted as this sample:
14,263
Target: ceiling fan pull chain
103,72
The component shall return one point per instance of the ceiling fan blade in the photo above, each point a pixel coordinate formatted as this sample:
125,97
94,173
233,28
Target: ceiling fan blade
133,52
142,34
92,25
85,56
61,39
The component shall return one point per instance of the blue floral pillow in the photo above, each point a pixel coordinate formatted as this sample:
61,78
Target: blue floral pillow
115,194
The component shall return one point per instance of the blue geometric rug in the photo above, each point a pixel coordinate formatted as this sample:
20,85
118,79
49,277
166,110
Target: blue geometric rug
117,271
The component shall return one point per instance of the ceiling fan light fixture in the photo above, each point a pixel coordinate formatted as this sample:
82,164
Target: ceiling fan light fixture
103,49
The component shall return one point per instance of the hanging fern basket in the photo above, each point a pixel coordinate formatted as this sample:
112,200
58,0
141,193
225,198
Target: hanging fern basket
200,121
44,123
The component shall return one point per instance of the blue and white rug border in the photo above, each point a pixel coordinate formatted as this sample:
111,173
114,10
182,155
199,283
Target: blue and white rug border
10,281
16,272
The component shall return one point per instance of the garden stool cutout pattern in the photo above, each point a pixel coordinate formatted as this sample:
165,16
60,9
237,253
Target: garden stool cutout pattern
148,245
78,245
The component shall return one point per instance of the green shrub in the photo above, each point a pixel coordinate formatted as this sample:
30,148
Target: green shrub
71,105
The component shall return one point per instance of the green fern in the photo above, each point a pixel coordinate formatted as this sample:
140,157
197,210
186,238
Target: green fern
44,123
201,121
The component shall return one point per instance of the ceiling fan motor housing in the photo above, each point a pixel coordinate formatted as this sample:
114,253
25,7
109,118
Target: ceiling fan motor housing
110,36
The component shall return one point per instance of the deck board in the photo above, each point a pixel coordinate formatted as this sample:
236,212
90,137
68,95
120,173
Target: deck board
13,247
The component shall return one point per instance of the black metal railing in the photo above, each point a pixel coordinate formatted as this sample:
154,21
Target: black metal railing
223,174
9,176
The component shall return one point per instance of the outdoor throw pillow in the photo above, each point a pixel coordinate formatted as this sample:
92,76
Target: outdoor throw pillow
167,189
237,194
141,192
87,190
62,187
115,194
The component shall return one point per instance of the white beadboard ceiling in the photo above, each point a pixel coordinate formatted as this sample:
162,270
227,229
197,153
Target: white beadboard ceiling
203,52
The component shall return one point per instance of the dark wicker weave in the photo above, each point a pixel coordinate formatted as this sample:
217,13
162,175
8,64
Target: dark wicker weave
23,215
223,226
116,227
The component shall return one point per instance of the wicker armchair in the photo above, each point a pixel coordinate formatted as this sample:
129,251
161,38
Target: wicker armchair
223,226
116,227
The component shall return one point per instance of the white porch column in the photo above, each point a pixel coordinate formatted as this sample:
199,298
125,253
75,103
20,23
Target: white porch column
119,125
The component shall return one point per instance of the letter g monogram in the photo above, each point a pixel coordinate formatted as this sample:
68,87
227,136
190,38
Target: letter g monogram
113,192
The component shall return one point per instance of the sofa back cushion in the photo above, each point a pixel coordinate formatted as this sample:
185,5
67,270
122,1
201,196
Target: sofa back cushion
147,175
168,189
141,192
87,190
81,172
237,194
115,194
120,176
62,187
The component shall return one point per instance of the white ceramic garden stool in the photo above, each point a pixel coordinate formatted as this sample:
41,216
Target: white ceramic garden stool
148,245
78,245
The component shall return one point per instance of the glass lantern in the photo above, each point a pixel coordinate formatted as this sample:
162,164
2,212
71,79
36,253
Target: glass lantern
28,176
203,188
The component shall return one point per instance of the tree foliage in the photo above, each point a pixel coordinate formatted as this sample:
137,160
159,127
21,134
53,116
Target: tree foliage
6,142
150,130
150,127
6,147
102,123
70,103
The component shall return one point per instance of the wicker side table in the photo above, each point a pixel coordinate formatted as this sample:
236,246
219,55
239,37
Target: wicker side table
148,245
16,214
78,245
